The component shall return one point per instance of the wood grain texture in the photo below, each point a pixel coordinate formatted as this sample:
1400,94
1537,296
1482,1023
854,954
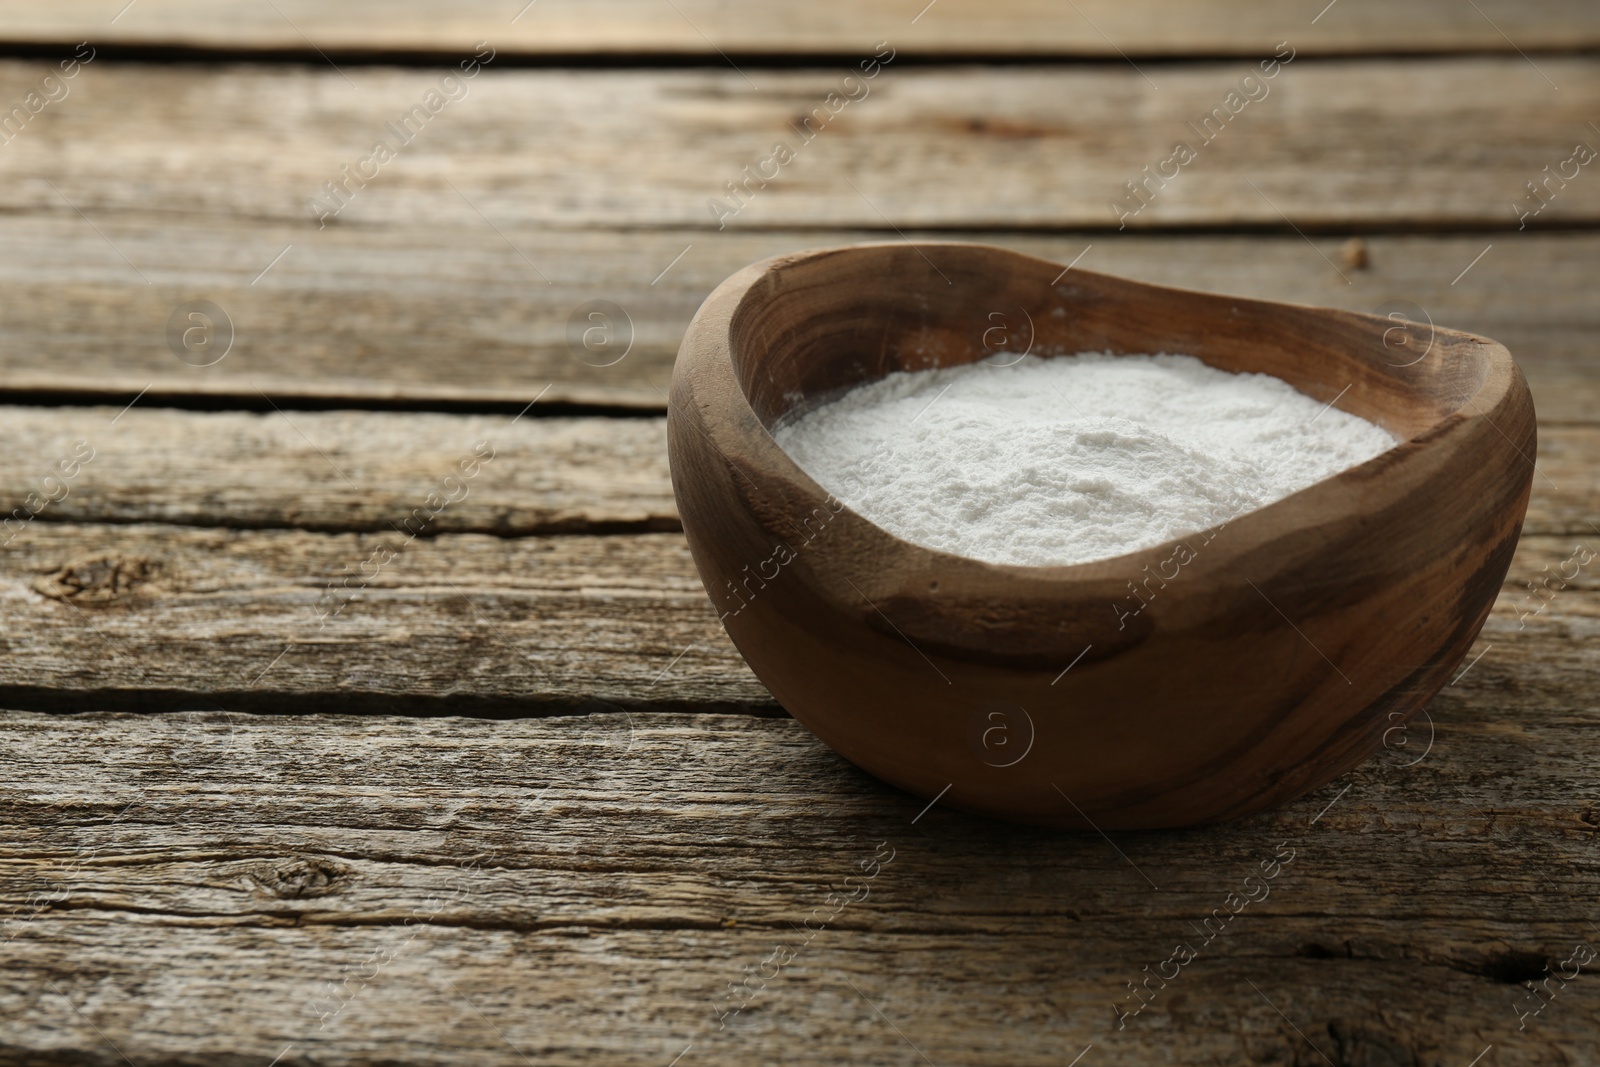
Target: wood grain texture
206,888
698,27
385,472
584,890
163,618
373,471
439,315
1332,144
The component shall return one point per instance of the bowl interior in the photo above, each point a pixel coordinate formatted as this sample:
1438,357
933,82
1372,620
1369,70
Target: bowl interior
818,324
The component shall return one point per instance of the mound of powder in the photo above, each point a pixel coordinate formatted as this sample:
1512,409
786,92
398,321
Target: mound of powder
1073,458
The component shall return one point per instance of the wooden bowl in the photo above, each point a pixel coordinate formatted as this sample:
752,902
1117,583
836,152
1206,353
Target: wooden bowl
1197,681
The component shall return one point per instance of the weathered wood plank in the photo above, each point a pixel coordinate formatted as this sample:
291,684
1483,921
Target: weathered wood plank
1569,500
697,27
461,622
165,618
428,474
342,891
1328,143
429,314
412,472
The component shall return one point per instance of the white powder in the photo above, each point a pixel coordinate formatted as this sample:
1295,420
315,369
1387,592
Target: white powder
1071,459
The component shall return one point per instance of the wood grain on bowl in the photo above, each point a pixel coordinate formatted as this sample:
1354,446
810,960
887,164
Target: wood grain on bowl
1196,681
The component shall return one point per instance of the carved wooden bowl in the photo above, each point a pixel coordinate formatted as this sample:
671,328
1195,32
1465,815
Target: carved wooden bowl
1268,656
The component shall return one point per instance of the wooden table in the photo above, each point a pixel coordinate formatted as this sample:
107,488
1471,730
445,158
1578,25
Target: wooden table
305,769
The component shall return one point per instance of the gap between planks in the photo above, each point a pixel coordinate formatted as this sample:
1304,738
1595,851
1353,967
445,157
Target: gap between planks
705,31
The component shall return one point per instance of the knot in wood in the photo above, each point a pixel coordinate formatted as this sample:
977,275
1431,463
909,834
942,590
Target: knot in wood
96,580
301,876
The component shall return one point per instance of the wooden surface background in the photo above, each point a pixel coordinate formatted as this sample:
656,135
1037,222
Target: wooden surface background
518,800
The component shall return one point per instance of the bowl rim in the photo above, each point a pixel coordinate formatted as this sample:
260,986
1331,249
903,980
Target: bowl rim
707,347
